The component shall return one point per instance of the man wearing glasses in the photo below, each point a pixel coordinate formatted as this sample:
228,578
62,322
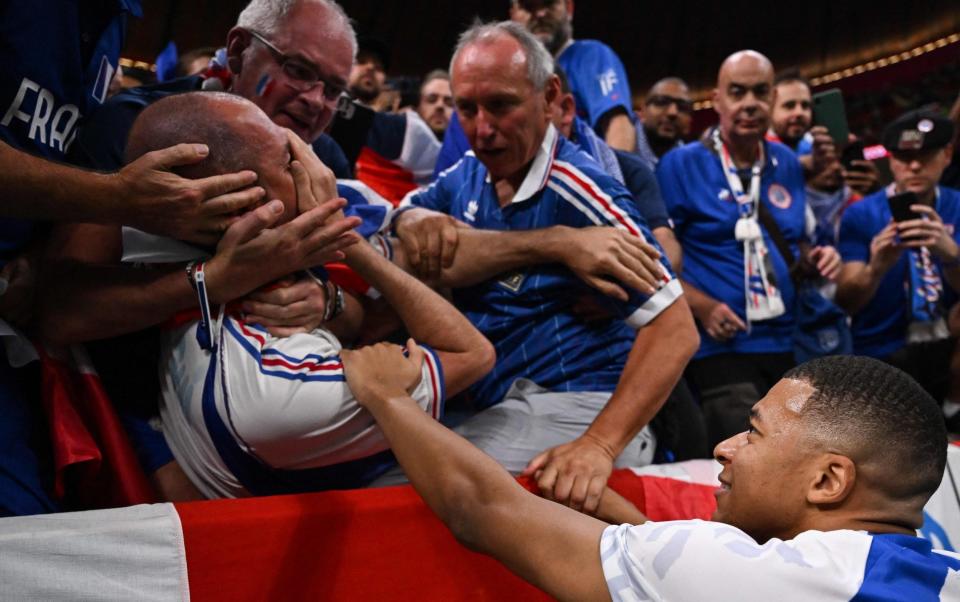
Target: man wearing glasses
665,120
293,63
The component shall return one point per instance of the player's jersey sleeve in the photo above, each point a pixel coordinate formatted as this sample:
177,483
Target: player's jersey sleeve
699,560
598,200
598,80
855,234
287,402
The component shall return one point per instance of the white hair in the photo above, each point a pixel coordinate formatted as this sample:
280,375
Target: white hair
266,16
539,61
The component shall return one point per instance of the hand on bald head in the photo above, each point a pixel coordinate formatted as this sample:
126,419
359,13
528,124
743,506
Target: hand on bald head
237,133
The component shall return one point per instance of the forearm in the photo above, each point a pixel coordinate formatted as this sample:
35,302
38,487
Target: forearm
857,284
427,316
671,247
620,133
466,488
659,355
349,324
483,254
951,273
700,302
84,302
35,188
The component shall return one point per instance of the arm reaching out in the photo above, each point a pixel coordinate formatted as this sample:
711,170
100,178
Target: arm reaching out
555,548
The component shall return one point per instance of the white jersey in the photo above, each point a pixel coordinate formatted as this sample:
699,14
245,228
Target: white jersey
264,415
700,560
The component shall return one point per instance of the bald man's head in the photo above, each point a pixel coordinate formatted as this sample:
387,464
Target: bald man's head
239,135
742,96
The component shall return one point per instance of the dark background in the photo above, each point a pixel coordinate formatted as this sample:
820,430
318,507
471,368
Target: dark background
654,39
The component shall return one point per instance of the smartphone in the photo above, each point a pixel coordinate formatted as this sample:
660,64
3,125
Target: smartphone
900,206
853,152
828,111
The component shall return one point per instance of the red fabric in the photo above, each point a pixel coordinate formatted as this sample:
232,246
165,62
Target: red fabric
347,279
373,544
94,462
387,179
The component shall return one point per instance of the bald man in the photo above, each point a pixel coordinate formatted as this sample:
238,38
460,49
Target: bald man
719,192
249,413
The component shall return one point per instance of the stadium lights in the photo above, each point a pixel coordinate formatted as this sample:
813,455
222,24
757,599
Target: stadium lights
893,59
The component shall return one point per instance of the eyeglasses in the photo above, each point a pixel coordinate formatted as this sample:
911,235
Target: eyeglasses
301,75
434,98
663,101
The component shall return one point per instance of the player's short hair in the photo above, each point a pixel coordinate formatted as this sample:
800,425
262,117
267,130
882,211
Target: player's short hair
874,411
266,16
791,75
539,61
197,118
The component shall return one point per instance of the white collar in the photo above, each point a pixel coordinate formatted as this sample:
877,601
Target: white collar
539,172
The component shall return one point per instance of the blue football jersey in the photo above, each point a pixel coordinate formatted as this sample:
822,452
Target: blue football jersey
527,314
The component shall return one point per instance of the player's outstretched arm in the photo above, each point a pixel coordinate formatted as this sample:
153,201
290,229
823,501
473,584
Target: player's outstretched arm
553,547
466,355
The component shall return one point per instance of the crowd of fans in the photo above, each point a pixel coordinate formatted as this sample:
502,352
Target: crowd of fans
284,242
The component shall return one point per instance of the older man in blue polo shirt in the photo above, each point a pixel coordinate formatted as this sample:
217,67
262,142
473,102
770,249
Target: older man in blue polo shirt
568,398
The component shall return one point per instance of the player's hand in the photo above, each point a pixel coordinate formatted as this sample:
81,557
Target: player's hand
316,183
928,231
429,240
381,372
599,253
252,253
864,180
721,322
290,306
826,260
153,198
884,249
573,474
824,150
19,289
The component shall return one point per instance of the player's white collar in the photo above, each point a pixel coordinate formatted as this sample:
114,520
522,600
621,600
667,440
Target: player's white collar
539,171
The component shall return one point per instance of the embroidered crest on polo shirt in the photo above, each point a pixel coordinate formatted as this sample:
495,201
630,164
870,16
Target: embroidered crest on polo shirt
779,196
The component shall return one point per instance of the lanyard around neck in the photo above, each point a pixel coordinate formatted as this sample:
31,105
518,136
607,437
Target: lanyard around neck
747,203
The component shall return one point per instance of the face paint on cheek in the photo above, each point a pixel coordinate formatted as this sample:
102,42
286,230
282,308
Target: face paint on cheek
264,86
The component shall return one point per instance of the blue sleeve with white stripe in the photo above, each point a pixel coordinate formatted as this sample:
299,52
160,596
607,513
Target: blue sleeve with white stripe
599,200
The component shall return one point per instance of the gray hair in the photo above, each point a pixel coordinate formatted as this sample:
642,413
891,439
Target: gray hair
539,61
265,17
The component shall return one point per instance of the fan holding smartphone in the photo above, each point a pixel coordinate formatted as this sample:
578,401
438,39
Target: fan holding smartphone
901,268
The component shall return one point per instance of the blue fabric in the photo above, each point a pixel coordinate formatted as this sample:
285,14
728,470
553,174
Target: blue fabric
822,327
333,157
597,79
642,183
454,146
46,86
584,136
704,214
903,567
167,62
880,327
527,314
26,476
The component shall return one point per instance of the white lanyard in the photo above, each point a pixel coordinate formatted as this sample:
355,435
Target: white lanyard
747,204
